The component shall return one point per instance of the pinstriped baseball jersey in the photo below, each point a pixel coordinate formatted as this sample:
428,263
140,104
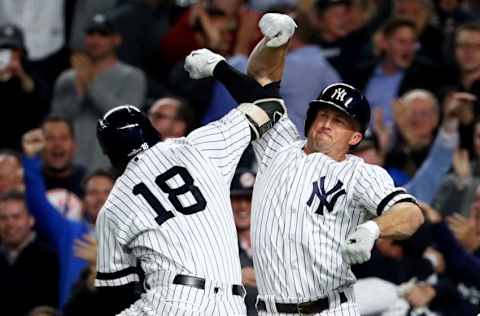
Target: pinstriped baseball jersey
171,209
303,208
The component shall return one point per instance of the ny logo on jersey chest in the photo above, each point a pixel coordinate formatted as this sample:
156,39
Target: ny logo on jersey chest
327,198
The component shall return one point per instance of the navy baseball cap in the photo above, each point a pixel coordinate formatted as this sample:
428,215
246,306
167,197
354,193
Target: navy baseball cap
11,36
101,23
324,4
242,183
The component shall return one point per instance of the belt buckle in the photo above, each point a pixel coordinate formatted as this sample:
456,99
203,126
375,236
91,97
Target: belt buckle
301,308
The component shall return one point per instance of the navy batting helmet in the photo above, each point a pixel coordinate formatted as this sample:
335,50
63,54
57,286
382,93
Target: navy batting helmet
124,132
345,98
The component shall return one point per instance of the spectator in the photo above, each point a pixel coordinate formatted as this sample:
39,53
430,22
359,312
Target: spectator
428,178
62,177
21,91
344,29
46,26
215,25
96,83
73,240
430,36
459,189
11,172
171,116
397,69
450,15
466,77
23,285
83,13
215,29
461,264
241,197
43,311
415,130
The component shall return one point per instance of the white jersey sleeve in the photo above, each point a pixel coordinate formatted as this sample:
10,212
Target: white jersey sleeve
223,141
376,192
282,134
115,267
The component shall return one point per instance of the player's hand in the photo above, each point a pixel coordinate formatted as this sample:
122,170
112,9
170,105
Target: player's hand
201,63
358,245
277,28
33,142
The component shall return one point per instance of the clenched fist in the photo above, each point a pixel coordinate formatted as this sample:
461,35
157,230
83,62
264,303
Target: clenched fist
358,246
200,63
277,28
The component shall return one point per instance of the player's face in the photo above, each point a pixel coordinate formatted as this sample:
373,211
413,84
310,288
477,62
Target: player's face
467,50
400,47
96,193
15,223
99,46
242,206
59,147
332,133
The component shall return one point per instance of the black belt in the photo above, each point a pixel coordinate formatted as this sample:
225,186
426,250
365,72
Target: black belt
312,307
199,283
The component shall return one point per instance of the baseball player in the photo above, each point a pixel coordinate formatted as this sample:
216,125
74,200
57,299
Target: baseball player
316,210
170,208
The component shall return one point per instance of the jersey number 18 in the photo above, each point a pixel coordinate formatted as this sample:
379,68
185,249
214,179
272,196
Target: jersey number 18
173,193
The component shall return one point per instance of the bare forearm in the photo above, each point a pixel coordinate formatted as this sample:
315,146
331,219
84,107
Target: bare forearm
266,64
401,221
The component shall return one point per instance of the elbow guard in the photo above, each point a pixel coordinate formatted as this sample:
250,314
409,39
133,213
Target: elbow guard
262,114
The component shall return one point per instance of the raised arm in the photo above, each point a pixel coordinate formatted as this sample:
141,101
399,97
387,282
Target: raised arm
257,95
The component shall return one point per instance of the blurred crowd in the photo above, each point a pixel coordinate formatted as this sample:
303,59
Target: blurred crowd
64,63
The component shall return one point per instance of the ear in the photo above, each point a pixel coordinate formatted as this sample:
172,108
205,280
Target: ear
117,40
31,220
355,139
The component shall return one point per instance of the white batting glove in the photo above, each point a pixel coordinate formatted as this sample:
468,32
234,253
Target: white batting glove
277,28
358,246
200,63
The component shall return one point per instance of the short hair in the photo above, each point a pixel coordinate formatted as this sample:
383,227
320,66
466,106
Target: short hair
97,173
47,310
420,94
60,119
12,153
393,24
13,196
184,113
473,26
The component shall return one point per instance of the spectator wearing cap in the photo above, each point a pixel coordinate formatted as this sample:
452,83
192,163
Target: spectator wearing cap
241,198
23,94
45,25
96,83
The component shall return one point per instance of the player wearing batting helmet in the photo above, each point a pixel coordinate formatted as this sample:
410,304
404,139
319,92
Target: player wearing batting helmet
316,209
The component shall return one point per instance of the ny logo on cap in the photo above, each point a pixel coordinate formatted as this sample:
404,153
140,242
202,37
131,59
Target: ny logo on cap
339,94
